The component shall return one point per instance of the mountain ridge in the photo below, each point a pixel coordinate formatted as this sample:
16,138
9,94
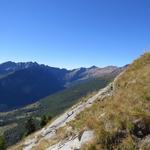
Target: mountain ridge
28,82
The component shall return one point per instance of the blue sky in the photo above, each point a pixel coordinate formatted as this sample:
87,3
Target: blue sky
74,33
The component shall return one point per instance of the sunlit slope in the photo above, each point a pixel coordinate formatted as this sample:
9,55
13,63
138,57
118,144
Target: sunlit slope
122,120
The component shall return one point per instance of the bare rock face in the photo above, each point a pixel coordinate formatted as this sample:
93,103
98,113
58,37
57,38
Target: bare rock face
144,144
74,143
86,137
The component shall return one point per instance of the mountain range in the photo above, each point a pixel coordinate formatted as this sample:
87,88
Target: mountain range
24,83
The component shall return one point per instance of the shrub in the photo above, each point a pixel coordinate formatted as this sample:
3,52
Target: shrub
2,143
30,126
45,120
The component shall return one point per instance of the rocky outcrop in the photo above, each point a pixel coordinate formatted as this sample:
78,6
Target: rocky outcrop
74,143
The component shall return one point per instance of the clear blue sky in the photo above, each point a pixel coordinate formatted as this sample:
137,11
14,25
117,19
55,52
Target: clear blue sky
74,33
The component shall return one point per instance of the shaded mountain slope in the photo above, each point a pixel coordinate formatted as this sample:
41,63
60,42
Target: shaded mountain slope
27,86
24,83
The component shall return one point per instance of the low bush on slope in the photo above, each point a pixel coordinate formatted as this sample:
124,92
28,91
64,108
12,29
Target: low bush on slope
122,120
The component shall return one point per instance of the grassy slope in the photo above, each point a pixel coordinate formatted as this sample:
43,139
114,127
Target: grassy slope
122,120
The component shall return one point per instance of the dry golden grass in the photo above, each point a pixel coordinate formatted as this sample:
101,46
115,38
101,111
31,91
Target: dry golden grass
113,119
44,143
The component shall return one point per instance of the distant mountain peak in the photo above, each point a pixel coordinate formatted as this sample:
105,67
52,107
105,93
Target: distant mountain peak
93,67
9,66
8,63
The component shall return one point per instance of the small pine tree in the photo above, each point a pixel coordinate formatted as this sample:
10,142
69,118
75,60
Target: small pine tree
2,143
30,126
44,121
49,118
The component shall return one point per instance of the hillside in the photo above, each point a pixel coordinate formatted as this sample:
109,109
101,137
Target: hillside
53,105
27,86
121,120
117,117
43,138
25,83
